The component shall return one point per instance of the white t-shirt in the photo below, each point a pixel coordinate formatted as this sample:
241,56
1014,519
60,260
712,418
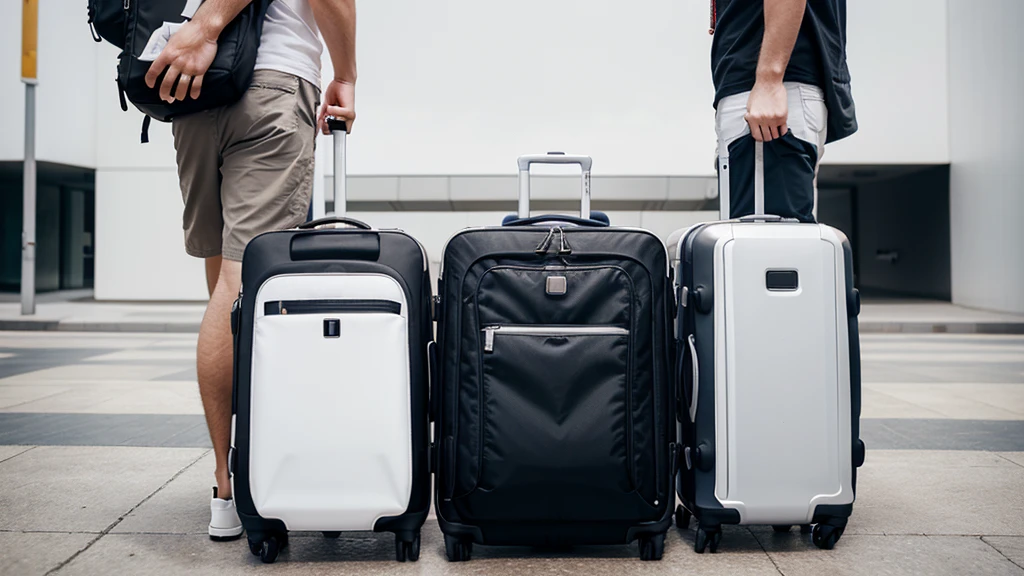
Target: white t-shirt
291,41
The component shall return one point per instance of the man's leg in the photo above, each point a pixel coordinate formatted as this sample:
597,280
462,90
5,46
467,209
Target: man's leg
198,157
266,184
212,272
214,365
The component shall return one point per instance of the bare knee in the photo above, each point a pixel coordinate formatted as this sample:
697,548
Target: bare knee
213,265
229,279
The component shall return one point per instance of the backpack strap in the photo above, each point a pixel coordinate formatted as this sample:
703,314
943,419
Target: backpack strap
120,95
145,128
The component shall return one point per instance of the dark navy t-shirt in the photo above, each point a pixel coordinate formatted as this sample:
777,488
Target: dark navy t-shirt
818,58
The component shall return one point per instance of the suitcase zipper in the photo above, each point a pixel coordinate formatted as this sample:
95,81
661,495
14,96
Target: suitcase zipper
285,307
490,331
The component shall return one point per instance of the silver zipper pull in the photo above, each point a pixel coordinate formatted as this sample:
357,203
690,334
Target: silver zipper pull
489,338
563,244
542,248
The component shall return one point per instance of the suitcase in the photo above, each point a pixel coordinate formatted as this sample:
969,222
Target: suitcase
332,336
554,403
769,372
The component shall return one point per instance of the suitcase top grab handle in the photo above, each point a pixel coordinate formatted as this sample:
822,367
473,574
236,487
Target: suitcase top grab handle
584,162
334,219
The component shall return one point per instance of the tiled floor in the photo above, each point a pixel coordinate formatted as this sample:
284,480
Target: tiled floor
105,468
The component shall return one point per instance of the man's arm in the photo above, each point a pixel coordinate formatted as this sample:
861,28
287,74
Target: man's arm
337,22
768,107
191,49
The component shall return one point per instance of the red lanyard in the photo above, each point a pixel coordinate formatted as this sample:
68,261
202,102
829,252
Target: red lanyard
714,16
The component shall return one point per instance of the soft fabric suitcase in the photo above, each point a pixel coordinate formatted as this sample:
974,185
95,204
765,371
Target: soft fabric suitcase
554,404
768,370
330,429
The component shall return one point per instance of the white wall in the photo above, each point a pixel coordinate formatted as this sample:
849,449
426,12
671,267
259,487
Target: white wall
897,51
140,252
66,105
66,95
12,91
987,175
463,86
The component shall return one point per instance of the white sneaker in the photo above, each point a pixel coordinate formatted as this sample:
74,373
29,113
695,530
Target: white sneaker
224,522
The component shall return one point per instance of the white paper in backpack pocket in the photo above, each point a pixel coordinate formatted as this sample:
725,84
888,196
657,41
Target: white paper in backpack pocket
158,41
190,8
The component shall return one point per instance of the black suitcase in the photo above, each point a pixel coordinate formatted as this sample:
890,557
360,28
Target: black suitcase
769,375
332,338
554,408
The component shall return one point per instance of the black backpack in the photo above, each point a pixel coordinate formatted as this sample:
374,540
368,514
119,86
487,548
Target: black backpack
128,24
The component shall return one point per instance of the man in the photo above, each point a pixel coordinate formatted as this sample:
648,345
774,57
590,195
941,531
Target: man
247,168
781,78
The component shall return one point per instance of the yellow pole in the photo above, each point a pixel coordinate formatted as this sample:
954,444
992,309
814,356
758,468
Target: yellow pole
29,38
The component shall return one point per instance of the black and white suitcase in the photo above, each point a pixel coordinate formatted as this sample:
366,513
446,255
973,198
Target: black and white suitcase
330,430
768,370
554,405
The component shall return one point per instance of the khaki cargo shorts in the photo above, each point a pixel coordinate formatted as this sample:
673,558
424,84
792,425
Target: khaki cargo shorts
247,168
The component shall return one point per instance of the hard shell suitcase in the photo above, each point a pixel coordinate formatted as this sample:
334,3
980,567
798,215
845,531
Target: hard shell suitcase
554,405
768,370
332,337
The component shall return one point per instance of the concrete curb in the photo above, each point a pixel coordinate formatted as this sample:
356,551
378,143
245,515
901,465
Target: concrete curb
869,327
63,326
926,327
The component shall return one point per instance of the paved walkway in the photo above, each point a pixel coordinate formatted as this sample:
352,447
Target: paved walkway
105,468
86,315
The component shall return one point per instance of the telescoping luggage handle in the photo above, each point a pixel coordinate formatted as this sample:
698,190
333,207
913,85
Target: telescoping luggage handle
339,131
759,215
584,162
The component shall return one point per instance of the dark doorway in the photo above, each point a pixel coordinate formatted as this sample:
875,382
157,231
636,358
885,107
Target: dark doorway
897,219
65,227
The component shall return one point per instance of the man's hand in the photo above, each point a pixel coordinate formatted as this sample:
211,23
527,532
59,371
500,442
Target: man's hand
767,111
768,106
337,22
340,102
188,54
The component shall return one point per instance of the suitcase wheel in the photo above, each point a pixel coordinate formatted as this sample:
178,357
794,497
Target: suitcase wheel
707,538
457,550
652,546
407,548
682,518
267,545
825,536
269,549
782,528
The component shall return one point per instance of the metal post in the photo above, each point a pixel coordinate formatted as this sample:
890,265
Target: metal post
29,61
28,221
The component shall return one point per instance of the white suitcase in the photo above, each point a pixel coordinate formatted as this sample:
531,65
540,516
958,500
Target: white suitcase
769,375
332,339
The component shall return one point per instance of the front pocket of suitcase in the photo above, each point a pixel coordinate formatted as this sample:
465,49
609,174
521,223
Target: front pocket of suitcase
556,426
331,423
